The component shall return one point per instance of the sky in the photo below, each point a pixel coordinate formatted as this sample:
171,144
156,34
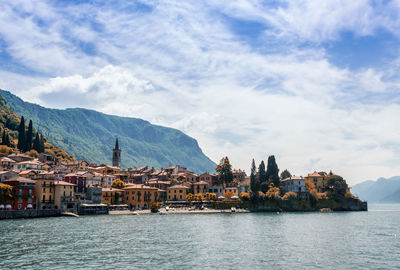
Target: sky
315,83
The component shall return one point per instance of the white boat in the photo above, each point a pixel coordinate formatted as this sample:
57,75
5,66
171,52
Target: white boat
233,209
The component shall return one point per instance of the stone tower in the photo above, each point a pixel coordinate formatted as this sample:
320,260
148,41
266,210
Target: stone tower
116,160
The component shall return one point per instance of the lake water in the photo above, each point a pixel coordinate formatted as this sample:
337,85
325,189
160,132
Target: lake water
346,240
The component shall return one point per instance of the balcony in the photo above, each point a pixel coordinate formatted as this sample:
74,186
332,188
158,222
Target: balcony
47,185
47,201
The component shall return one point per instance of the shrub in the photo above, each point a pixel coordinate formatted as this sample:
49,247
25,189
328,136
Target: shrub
117,183
290,196
245,196
273,193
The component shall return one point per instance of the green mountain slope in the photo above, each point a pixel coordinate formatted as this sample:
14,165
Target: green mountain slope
90,135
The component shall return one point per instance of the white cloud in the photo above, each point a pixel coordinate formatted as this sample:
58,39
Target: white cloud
180,65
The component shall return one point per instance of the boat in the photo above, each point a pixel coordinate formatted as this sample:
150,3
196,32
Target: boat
233,209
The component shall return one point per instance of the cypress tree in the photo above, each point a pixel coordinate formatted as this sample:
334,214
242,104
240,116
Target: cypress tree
36,143
253,178
21,135
41,144
8,142
29,135
3,138
262,176
272,171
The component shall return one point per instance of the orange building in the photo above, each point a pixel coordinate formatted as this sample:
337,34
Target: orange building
318,179
177,193
141,195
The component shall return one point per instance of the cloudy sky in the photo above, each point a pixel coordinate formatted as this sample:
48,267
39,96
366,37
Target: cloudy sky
316,83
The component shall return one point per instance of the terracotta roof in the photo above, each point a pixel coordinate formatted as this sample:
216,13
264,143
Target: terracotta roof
178,187
20,179
35,162
317,174
63,183
6,159
292,178
201,183
138,186
110,189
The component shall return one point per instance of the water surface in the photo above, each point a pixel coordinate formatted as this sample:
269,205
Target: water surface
345,240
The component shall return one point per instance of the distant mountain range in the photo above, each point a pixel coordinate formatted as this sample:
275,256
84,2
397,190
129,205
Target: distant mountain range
90,135
382,190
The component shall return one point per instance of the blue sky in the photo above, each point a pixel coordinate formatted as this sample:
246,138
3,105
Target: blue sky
314,82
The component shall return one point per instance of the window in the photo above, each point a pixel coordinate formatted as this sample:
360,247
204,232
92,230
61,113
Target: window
180,191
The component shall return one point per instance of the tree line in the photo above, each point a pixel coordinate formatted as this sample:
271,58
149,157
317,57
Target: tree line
27,139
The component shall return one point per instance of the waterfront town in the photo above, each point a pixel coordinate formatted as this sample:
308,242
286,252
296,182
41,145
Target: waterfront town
43,183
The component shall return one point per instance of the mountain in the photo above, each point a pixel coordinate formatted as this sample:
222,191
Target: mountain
90,135
382,190
9,123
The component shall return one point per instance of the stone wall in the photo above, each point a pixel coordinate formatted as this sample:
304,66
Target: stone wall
29,213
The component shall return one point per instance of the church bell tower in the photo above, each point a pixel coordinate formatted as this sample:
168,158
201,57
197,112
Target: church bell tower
116,160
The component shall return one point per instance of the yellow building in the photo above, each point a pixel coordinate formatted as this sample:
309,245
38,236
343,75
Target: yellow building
318,179
141,195
177,193
64,196
200,187
230,192
111,196
44,193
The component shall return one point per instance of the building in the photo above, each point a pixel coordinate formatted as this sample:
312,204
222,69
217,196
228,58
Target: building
141,196
160,184
200,187
4,175
20,157
231,192
79,179
294,184
111,196
206,177
217,189
94,194
318,179
64,196
44,193
23,189
239,175
28,165
116,159
177,193
7,163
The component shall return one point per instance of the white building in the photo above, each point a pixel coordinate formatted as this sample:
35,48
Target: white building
294,184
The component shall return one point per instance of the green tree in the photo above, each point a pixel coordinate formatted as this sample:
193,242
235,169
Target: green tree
21,135
8,141
253,179
264,186
224,170
3,138
36,143
29,135
273,171
262,175
41,144
336,186
285,174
